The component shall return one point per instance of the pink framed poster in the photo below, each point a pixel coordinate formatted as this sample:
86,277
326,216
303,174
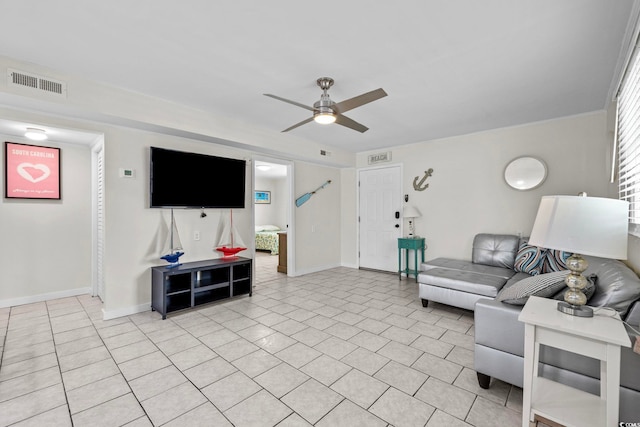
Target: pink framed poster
31,171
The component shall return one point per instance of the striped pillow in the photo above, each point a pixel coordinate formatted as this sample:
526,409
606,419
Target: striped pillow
555,260
542,285
529,259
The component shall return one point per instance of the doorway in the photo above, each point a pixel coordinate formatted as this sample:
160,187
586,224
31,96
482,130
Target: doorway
272,201
380,217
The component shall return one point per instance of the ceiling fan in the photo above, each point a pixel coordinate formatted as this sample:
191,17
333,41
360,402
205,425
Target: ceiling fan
325,111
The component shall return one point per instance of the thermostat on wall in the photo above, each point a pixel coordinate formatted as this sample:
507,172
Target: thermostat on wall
127,173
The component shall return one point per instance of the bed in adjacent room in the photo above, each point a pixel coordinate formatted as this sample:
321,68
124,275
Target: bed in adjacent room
267,238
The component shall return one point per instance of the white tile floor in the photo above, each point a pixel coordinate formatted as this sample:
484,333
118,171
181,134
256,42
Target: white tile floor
337,348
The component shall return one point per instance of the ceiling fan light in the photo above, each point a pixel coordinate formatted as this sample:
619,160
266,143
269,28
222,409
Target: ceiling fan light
324,118
35,134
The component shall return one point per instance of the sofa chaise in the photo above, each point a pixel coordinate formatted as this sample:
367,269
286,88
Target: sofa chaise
461,283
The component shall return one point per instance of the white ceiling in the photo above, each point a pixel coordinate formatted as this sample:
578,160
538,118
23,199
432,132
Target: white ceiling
449,67
274,171
54,134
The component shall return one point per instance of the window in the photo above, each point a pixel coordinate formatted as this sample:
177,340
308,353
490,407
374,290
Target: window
628,139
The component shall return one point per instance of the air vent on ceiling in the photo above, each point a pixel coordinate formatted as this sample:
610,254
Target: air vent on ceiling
29,80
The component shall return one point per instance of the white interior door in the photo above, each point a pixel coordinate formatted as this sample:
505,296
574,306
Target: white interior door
380,217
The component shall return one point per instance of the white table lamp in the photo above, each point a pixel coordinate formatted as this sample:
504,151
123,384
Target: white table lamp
583,226
411,213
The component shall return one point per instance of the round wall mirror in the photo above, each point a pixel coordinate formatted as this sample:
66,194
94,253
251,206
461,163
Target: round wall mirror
525,173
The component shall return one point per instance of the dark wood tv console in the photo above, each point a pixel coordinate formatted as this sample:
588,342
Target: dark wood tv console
201,282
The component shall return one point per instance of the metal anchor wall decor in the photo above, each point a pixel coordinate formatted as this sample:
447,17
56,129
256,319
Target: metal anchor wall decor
420,185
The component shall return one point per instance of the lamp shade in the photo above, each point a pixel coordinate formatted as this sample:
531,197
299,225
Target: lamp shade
584,225
411,212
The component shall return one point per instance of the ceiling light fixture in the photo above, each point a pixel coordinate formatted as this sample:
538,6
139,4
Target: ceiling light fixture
35,134
323,113
324,118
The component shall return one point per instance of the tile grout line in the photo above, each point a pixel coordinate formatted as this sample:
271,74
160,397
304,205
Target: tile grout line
238,370
261,388
55,350
187,378
119,372
4,339
335,381
57,365
218,355
281,362
277,293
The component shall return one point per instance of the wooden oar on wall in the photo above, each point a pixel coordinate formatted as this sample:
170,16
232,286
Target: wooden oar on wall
303,199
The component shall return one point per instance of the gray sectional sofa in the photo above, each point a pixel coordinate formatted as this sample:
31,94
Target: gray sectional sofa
499,336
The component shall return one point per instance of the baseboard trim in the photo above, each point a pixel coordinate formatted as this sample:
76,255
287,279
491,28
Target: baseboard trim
315,269
375,270
349,265
44,297
126,311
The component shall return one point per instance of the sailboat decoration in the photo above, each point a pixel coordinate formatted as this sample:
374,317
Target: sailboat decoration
230,242
173,247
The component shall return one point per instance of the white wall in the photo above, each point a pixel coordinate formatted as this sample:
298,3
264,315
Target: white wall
133,229
318,221
281,201
274,213
135,233
131,122
467,194
45,248
633,253
348,212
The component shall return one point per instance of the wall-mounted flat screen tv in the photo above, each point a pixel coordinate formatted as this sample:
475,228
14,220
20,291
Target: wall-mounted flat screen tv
189,180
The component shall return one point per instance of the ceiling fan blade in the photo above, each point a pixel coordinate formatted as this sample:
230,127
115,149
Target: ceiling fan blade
350,123
304,122
306,107
356,101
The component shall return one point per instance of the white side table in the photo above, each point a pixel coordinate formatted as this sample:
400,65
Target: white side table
598,337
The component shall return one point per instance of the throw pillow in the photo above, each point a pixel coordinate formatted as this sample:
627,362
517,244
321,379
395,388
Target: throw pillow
555,260
588,290
529,259
542,285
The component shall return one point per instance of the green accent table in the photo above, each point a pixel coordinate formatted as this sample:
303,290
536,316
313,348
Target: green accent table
410,243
